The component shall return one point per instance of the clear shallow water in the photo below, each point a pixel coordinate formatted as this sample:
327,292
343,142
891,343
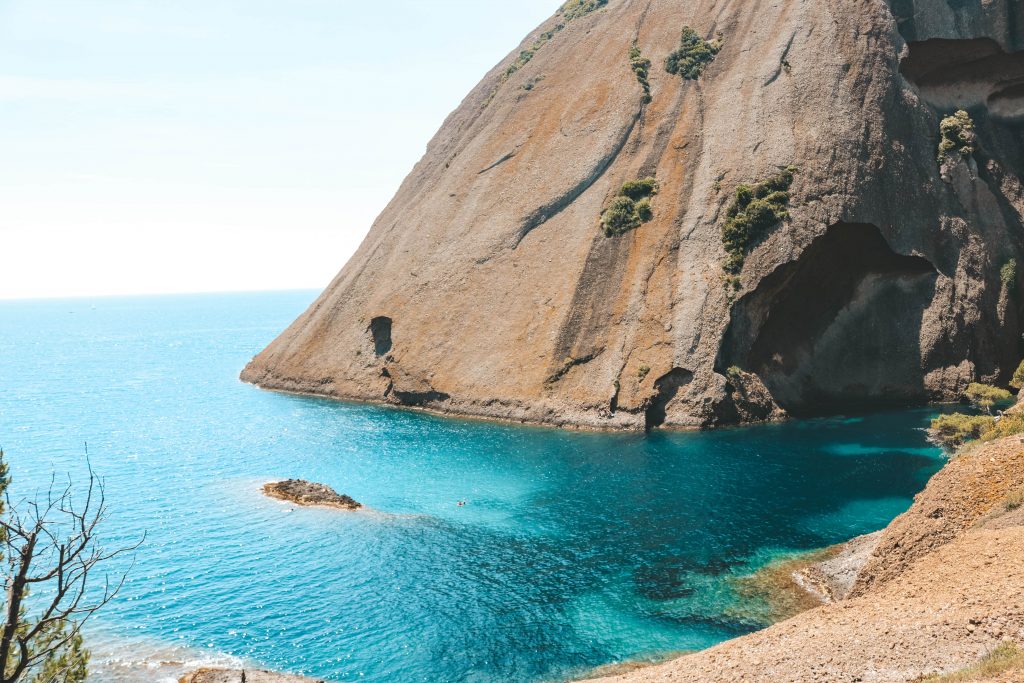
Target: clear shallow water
574,550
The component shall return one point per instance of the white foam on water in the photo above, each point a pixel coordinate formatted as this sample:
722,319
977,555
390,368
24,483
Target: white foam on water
139,660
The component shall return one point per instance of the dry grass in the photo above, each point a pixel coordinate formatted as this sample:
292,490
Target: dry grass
1005,658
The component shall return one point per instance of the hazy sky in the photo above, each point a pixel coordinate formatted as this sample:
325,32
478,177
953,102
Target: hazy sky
209,145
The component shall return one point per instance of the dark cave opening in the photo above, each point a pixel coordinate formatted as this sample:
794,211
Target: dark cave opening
666,387
380,330
838,328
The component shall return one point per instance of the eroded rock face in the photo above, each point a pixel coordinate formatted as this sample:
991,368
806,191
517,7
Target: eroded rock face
488,288
838,326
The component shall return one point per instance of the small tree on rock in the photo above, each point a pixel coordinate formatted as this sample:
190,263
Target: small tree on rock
985,396
957,141
1018,377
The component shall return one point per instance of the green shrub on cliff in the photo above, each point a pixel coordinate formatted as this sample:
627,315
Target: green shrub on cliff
1005,425
641,67
693,56
986,396
630,207
526,55
639,189
1018,377
755,210
957,137
621,216
573,9
644,210
956,429
1008,273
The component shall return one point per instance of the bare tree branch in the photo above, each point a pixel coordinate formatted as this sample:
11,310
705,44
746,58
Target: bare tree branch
50,543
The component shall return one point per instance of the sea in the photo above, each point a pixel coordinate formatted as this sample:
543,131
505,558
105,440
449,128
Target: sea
571,551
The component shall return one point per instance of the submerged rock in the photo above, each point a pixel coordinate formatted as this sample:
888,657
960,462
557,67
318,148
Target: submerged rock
243,676
308,493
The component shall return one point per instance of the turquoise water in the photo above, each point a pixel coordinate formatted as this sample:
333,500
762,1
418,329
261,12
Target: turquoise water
574,550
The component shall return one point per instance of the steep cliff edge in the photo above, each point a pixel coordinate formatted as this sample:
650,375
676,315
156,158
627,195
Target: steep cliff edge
488,287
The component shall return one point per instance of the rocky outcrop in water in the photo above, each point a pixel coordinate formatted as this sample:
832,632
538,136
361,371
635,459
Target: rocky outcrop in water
307,493
489,286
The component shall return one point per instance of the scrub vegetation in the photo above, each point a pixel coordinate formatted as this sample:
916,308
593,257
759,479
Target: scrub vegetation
956,429
1008,274
986,396
573,9
1006,658
630,208
1018,377
693,56
641,66
957,137
755,210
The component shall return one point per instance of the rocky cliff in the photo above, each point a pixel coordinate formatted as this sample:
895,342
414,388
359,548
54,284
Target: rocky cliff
489,287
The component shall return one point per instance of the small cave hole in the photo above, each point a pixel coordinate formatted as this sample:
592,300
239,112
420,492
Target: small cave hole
666,388
380,330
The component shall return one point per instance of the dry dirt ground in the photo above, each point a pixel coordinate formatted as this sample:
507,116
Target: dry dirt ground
944,586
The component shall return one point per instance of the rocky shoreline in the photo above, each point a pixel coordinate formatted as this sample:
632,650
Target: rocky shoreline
243,676
832,579
309,494
931,594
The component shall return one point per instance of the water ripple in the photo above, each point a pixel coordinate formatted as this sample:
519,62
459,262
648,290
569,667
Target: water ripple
574,550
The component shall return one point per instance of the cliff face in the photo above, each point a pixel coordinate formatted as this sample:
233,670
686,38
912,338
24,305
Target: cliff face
487,287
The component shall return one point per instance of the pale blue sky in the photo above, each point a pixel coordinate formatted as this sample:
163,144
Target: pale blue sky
207,145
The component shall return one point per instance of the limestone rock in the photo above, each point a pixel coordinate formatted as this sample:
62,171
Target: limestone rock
488,288
308,493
